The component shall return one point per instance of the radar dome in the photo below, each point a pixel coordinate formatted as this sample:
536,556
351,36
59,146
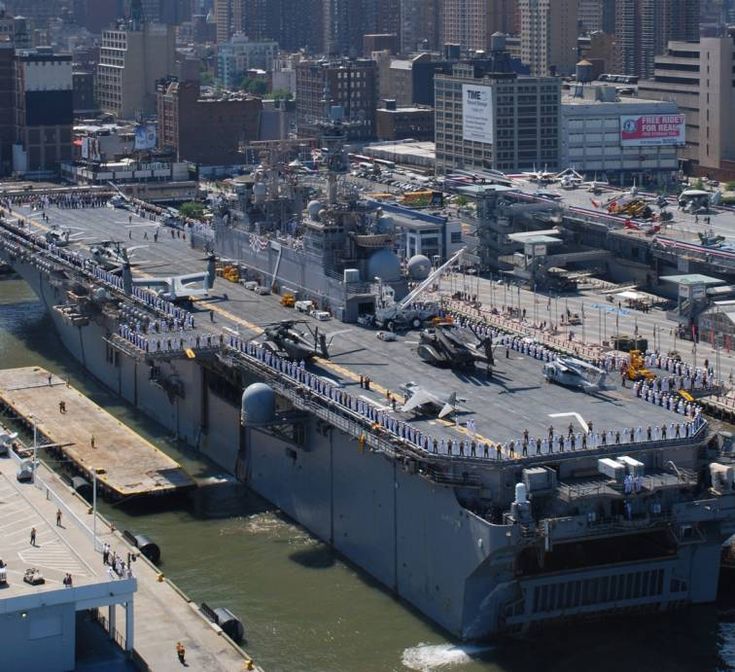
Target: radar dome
258,404
385,224
419,267
385,265
313,208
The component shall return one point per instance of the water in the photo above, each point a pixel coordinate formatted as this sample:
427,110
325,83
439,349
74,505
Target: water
304,609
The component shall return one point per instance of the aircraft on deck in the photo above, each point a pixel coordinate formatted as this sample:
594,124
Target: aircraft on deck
596,186
182,288
284,339
61,236
569,179
422,400
540,176
575,373
111,255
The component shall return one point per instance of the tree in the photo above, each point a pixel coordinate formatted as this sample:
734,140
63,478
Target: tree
730,186
192,209
253,85
281,94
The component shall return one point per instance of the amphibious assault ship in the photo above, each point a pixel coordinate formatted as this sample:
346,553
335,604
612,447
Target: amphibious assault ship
476,518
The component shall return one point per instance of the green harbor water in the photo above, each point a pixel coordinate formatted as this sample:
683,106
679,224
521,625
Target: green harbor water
304,608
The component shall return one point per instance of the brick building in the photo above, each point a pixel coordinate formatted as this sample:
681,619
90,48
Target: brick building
401,123
207,131
348,83
43,111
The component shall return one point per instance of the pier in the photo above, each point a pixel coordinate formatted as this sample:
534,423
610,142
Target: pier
142,614
98,445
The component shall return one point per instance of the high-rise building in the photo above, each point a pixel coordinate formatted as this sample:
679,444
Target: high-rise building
39,11
172,12
228,18
589,15
419,24
350,84
466,23
644,27
698,77
131,62
549,36
7,106
240,54
470,23
503,16
96,15
43,111
487,119
277,20
346,21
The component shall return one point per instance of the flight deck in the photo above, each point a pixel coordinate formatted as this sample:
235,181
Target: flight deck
499,408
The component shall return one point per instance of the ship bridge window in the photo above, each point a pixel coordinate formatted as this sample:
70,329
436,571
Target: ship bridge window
678,586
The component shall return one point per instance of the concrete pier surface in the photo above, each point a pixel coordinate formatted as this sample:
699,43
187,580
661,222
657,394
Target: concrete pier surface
125,463
163,615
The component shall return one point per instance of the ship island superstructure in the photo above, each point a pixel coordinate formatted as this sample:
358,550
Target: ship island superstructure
531,503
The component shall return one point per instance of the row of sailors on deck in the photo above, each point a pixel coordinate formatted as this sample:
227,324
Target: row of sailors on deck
676,382
654,360
632,483
551,444
184,317
684,376
164,306
671,402
156,326
150,343
380,418
68,200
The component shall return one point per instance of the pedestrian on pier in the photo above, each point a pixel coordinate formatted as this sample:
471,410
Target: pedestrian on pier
211,316
50,376
62,407
181,652
91,440
33,536
58,518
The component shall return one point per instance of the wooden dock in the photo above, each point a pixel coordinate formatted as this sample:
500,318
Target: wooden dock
94,441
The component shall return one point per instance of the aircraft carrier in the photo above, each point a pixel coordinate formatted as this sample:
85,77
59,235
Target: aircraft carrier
478,519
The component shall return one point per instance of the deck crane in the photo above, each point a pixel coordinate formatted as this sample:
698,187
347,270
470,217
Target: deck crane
393,315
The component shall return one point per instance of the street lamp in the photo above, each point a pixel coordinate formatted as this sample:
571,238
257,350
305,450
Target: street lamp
35,446
94,508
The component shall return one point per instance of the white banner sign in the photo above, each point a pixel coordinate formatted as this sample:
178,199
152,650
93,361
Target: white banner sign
477,113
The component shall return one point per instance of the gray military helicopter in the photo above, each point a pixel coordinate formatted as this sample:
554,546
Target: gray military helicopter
111,255
285,339
575,373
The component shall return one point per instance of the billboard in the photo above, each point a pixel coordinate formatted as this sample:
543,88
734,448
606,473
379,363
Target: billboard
145,137
91,149
640,130
477,113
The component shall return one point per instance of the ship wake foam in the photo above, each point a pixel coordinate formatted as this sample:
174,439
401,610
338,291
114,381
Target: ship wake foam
430,657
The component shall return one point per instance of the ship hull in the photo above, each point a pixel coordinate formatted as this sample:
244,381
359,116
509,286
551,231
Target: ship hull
410,533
